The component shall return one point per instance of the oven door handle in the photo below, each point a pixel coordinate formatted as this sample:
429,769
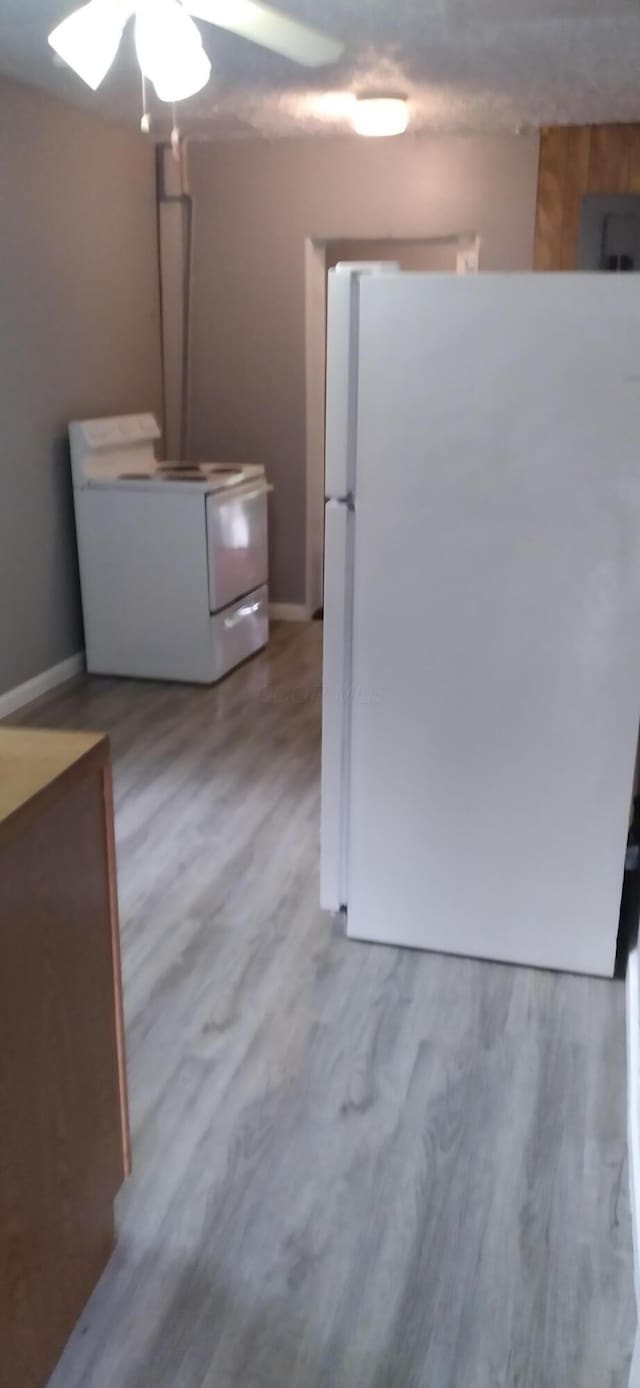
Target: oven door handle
247,610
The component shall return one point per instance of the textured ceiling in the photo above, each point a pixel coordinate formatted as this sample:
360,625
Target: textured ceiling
464,65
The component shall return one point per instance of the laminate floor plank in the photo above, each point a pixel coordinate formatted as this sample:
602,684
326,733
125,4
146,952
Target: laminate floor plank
354,1166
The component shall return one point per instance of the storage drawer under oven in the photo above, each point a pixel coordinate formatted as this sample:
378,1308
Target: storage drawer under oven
236,542
239,631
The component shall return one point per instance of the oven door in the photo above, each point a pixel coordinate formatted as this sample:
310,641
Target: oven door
237,542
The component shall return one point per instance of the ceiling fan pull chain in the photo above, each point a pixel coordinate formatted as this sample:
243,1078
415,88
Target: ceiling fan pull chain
175,135
145,123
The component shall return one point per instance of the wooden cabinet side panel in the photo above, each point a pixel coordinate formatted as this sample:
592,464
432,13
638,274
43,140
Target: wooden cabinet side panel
61,1159
634,159
577,174
114,938
574,161
609,158
552,171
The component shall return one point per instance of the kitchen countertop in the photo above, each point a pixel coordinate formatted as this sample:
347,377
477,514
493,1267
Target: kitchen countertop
36,765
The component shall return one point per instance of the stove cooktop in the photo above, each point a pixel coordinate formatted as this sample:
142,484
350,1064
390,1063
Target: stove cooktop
183,474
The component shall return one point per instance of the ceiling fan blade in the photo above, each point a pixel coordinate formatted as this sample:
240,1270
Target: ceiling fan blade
88,39
270,29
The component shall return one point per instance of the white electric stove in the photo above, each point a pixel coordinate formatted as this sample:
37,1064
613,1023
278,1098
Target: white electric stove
173,557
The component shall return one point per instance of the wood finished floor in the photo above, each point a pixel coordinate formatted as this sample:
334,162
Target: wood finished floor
354,1166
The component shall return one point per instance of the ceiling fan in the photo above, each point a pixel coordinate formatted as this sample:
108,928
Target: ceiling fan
168,42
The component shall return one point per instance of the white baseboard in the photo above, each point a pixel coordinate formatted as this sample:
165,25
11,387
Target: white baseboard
288,612
40,684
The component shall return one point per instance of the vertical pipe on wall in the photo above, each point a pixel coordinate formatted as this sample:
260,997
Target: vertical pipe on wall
175,227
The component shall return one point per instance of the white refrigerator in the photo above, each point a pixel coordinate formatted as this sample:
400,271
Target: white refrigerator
482,611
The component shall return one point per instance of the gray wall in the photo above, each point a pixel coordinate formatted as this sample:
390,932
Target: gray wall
79,336
254,205
410,255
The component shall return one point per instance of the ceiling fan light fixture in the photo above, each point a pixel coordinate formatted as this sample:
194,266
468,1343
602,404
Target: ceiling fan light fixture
168,42
88,39
170,50
380,116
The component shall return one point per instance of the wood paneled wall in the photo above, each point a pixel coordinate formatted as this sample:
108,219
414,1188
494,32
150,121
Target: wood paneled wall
575,160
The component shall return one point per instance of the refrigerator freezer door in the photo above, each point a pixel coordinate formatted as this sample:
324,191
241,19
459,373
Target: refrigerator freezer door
342,342
496,629
335,703
342,367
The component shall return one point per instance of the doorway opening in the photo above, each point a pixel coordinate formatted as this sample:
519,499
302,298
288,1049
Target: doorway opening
452,253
